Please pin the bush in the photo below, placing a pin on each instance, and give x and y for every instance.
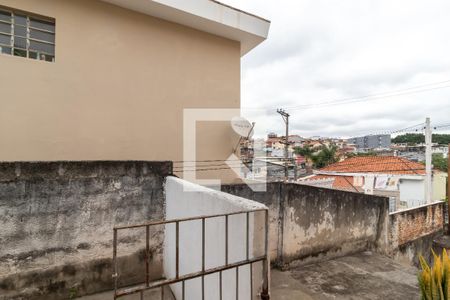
(434, 282)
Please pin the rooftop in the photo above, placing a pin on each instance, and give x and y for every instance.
(376, 164)
(344, 183)
(206, 15)
(363, 275)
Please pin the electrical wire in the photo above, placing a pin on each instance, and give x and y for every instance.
(369, 97)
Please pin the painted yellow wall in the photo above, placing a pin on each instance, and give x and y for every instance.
(439, 185)
(117, 88)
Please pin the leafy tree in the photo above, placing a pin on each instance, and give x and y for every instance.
(319, 158)
(418, 138)
(409, 138)
(325, 157)
(307, 152)
(441, 139)
(439, 162)
(368, 153)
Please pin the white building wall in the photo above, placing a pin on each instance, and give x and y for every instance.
(184, 200)
(412, 191)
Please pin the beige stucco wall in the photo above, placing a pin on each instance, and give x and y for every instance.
(439, 186)
(117, 88)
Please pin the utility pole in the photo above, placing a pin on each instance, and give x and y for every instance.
(285, 117)
(428, 168)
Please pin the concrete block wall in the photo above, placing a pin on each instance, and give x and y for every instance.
(411, 224)
(325, 223)
(56, 221)
(412, 231)
(310, 223)
(271, 199)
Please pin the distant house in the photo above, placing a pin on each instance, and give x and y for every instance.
(395, 177)
(276, 144)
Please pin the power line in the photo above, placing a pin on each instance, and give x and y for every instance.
(387, 172)
(370, 97)
(213, 165)
(202, 170)
(207, 160)
(343, 167)
(364, 98)
(442, 125)
(406, 129)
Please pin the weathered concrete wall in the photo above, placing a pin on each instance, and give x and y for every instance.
(186, 200)
(56, 221)
(411, 232)
(409, 252)
(271, 199)
(310, 223)
(323, 223)
(411, 224)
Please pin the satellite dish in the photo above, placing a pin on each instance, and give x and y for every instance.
(242, 126)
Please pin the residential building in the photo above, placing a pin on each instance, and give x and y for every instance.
(439, 185)
(379, 141)
(275, 144)
(437, 149)
(109, 80)
(395, 177)
(417, 152)
(273, 169)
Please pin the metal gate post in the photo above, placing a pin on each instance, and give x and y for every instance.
(265, 295)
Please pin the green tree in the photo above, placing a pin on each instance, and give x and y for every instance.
(325, 157)
(439, 162)
(319, 158)
(418, 138)
(368, 153)
(307, 152)
(409, 138)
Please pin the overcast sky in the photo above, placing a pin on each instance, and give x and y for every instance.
(321, 51)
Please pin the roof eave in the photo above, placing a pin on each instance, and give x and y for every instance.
(205, 15)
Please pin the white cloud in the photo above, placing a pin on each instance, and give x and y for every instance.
(320, 50)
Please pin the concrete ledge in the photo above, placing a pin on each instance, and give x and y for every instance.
(73, 280)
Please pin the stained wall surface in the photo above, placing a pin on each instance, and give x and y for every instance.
(57, 222)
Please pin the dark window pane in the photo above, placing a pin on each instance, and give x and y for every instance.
(20, 31)
(41, 56)
(20, 20)
(43, 36)
(5, 16)
(50, 58)
(5, 50)
(20, 52)
(42, 47)
(5, 39)
(33, 55)
(5, 27)
(20, 42)
(45, 25)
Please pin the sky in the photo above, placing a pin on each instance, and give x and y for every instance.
(324, 51)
